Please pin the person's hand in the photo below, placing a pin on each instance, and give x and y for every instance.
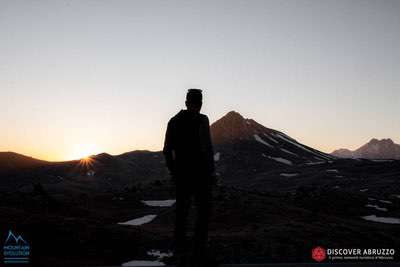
(173, 178)
(172, 175)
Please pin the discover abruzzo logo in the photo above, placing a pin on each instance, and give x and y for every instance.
(332, 254)
(16, 249)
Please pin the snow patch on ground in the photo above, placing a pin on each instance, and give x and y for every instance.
(258, 138)
(159, 254)
(287, 139)
(376, 207)
(386, 201)
(217, 156)
(282, 160)
(364, 190)
(155, 253)
(140, 221)
(143, 263)
(315, 163)
(325, 156)
(289, 152)
(159, 203)
(390, 220)
(332, 170)
(271, 138)
(289, 174)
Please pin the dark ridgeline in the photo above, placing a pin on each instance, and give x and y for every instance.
(10, 161)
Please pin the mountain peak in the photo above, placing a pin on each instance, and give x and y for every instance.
(233, 126)
(233, 114)
(374, 149)
(232, 119)
(382, 141)
(235, 133)
(389, 141)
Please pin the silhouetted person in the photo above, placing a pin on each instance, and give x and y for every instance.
(189, 156)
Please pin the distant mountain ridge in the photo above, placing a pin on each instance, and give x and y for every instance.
(374, 149)
(245, 153)
(12, 160)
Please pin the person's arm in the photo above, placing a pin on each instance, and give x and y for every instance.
(169, 148)
(209, 148)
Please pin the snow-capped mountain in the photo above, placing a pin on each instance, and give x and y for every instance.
(374, 149)
(236, 134)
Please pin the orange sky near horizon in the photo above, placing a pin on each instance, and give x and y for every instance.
(79, 146)
(86, 77)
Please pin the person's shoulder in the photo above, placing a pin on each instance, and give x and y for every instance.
(204, 117)
(175, 117)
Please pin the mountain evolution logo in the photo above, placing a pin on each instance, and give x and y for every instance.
(15, 249)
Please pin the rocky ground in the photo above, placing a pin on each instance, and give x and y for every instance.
(276, 218)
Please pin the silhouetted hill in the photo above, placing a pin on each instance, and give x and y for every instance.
(12, 161)
(374, 149)
(102, 172)
(232, 132)
(343, 153)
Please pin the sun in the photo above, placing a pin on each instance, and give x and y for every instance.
(83, 151)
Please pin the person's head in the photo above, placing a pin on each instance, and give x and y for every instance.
(194, 100)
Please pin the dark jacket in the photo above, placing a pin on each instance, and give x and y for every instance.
(188, 148)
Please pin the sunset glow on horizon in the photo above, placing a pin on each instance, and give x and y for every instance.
(79, 78)
(84, 150)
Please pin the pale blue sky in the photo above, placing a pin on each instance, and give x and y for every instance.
(82, 77)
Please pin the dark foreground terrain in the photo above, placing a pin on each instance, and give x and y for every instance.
(75, 222)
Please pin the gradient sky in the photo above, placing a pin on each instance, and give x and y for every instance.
(82, 77)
